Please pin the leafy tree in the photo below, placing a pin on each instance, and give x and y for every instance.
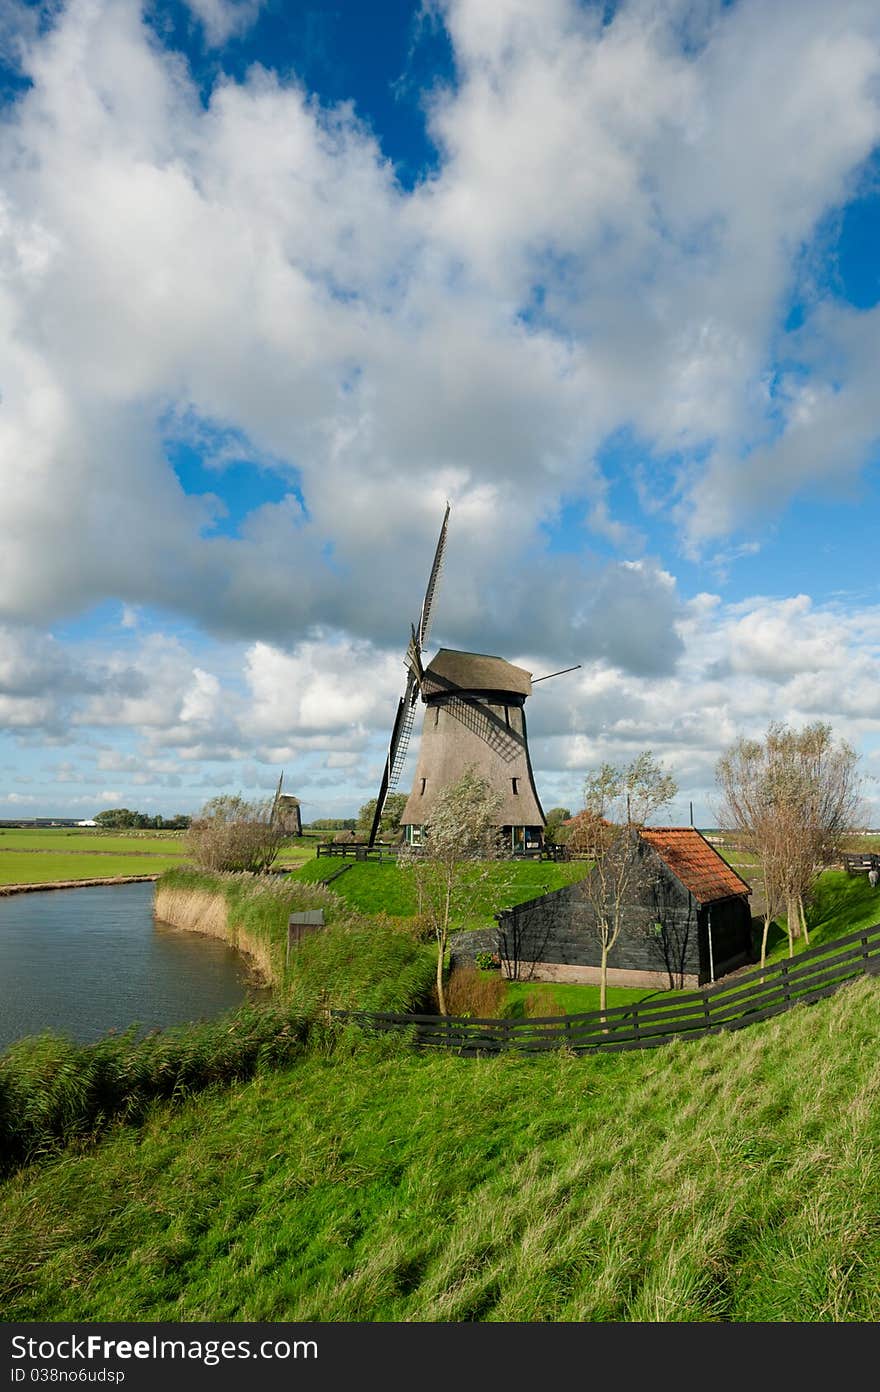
(232, 834)
(619, 800)
(555, 817)
(389, 822)
(459, 840)
(116, 817)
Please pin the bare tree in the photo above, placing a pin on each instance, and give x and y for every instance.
(669, 933)
(521, 942)
(452, 863)
(619, 801)
(792, 797)
(232, 834)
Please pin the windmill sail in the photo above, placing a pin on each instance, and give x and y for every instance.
(428, 602)
(406, 706)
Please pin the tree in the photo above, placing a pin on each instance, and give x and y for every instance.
(389, 824)
(618, 800)
(459, 841)
(792, 797)
(555, 817)
(669, 932)
(232, 834)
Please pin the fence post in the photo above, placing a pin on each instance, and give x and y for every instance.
(786, 992)
(635, 1025)
(707, 1011)
(864, 941)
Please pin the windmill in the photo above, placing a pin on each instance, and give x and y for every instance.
(474, 718)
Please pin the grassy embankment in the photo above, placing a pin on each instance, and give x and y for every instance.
(732, 1179)
(53, 1092)
(373, 888)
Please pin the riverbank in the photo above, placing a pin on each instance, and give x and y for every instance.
(207, 913)
(32, 887)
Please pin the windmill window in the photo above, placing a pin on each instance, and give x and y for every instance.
(436, 714)
(515, 782)
(507, 716)
(422, 793)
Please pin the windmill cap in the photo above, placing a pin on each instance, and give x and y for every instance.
(452, 671)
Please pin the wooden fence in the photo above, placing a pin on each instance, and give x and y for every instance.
(744, 1000)
(356, 850)
(860, 862)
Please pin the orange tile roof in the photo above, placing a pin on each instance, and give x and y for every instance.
(695, 863)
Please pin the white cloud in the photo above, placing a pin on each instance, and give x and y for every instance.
(223, 19)
(608, 240)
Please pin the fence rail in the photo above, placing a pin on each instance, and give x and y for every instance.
(756, 995)
(859, 862)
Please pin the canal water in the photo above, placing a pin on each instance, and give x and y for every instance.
(80, 962)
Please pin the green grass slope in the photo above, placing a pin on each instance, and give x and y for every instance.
(734, 1179)
(371, 887)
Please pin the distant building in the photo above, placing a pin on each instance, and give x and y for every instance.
(90, 821)
(288, 815)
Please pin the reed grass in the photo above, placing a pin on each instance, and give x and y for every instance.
(54, 1092)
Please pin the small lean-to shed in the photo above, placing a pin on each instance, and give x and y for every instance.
(686, 921)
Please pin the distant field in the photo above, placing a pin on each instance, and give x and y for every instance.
(85, 842)
(28, 868)
(61, 853)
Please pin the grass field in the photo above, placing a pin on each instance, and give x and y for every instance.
(17, 867)
(58, 841)
(371, 887)
(54, 853)
(734, 1179)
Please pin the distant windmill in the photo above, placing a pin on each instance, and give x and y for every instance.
(285, 811)
(475, 717)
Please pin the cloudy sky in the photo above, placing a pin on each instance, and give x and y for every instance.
(277, 280)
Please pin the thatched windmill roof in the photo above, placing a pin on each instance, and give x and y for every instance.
(454, 672)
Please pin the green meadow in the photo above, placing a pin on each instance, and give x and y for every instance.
(371, 887)
(280, 1165)
(24, 868)
(83, 853)
(730, 1180)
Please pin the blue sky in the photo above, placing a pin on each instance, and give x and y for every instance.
(279, 280)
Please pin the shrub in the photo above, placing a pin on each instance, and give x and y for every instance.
(469, 992)
(232, 834)
(53, 1092)
(487, 961)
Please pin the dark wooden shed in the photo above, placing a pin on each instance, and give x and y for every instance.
(686, 921)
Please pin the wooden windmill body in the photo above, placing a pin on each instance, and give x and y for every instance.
(474, 718)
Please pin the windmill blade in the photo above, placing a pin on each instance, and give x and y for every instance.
(272, 814)
(397, 747)
(414, 659)
(406, 706)
(424, 626)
